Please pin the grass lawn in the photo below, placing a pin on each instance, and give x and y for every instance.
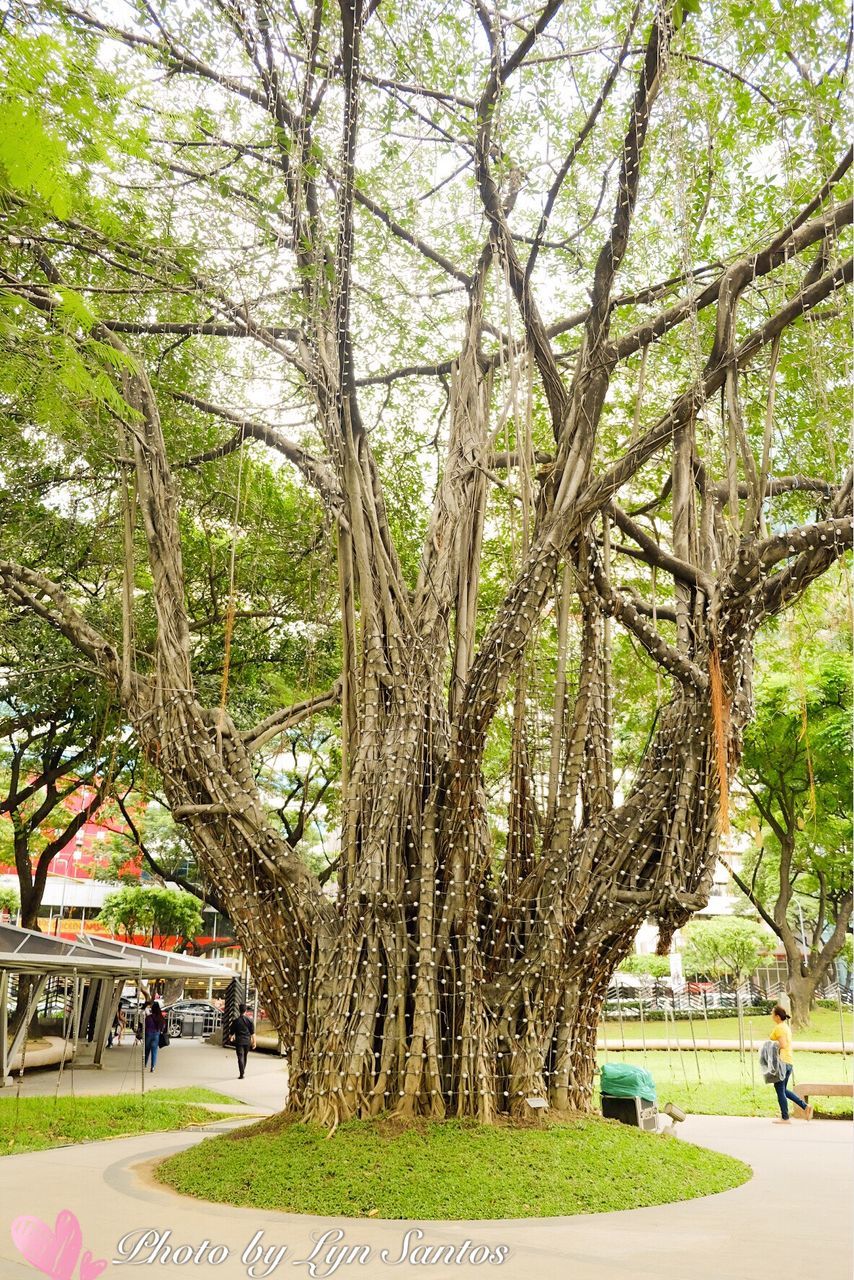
(824, 1025)
(193, 1093)
(720, 1084)
(32, 1124)
(451, 1170)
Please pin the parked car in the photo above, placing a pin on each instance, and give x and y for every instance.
(192, 1006)
(192, 1017)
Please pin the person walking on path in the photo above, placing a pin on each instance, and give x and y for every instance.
(243, 1038)
(118, 1028)
(155, 1025)
(781, 1032)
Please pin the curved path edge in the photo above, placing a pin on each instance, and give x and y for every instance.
(800, 1194)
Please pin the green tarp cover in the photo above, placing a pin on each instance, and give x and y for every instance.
(622, 1081)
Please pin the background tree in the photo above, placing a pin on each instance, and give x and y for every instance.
(550, 336)
(300, 786)
(651, 966)
(120, 865)
(846, 958)
(158, 914)
(62, 756)
(157, 846)
(724, 948)
(797, 771)
(10, 901)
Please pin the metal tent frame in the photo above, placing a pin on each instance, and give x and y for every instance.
(107, 964)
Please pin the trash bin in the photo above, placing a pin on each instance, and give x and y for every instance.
(628, 1095)
(192, 1024)
(639, 1112)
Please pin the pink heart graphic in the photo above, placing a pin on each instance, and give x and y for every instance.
(90, 1267)
(52, 1252)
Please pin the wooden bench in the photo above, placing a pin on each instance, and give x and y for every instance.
(812, 1090)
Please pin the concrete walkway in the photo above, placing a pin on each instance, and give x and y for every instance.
(183, 1064)
(795, 1210)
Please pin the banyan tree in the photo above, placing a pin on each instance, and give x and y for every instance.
(558, 291)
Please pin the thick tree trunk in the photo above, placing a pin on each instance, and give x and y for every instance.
(801, 990)
(805, 976)
(30, 905)
(436, 988)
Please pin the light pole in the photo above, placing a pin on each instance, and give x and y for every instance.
(209, 910)
(75, 858)
(62, 899)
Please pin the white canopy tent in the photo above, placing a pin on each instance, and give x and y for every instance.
(100, 965)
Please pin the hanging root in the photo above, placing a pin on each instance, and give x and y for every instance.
(721, 726)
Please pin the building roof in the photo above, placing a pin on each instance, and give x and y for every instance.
(68, 893)
(27, 951)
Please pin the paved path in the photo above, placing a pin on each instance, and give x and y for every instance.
(184, 1063)
(796, 1209)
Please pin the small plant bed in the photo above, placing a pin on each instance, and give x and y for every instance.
(721, 1083)
(452, 1170)
(33, 1124)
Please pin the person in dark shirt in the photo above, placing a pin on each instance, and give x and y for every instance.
(155, 1025)
(242, 1037)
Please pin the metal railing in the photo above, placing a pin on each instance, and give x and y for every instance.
(189, 1024)
(663, 996)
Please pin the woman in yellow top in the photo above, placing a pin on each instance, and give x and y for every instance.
(782, 1033)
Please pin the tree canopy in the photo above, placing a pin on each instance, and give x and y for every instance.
(726, 947)
(156, 913)
(797, 767)
(64, 754)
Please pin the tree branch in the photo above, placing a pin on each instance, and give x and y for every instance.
(187, 328)
(782, 588)
(781, 484)
(804, 538)
(656, 646)
(603, 488)
(656, 555)
(287, 717)
(535, 329)
(76, 824)
(408, 237)
(171, 56)
(207, 896)
(592, 116)
(767, 813)
(754, 901)
(30, 590)
(315, 471)
(802, 236)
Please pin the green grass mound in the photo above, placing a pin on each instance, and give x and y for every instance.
(33, 1124)
(448, 1171)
